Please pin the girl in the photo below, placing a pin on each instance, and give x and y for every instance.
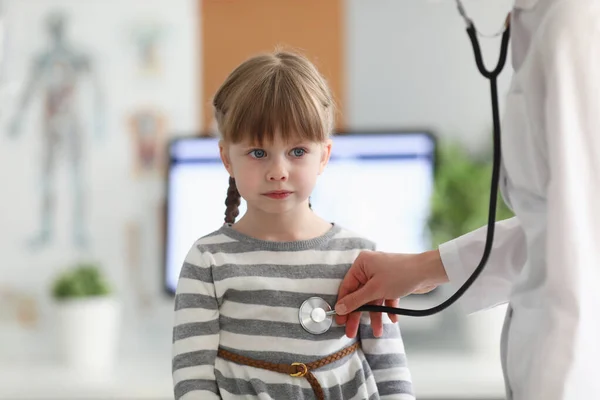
(236, 330)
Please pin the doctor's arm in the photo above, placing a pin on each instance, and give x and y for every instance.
(378, 276)
(566, 298)
(196, 331)
(572, 112)
(572, 122)
(461, 256)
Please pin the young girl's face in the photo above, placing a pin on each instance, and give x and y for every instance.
(275, 177)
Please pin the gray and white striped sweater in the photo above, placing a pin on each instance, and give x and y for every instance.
(242, 294)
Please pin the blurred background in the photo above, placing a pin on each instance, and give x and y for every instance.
(93, 91)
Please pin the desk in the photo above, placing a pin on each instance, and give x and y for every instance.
(435, 377)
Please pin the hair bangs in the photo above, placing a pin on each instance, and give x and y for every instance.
(278, 106)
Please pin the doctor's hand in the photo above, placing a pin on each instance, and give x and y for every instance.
(377, 277)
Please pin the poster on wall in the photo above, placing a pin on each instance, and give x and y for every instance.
(149, 38)
(148, 130)
(55, 78)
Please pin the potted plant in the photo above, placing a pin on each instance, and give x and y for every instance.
(461, 195)
(87, 317)
(459, 205)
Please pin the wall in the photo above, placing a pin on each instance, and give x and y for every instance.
(284, 24)
(410, 64)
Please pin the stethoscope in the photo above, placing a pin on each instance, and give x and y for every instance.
(316, 315)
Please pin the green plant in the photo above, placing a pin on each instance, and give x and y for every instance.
(460, 200)
(84, 280)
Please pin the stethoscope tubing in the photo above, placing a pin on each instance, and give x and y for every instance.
(492, 77)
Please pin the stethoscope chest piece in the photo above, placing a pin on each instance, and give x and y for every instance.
(313, 317)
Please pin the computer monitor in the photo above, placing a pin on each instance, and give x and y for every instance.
(377, 184)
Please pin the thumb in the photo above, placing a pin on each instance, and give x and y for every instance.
(356, 299)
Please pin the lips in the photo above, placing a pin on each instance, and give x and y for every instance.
(278, 194)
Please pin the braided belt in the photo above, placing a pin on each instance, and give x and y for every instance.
(298, 370)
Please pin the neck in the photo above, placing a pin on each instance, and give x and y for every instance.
(297, 224)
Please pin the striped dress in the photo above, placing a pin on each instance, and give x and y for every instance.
(243, 294)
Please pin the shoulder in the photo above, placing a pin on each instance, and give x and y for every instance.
(572, 15)
(569, 29)
(214, 238)
(352, 240)
(203, 249)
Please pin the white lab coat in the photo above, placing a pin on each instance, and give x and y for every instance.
(544, 262)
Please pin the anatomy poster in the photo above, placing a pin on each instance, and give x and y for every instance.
(56, 77)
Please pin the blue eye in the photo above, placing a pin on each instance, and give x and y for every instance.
(258, 153)
(298, 152)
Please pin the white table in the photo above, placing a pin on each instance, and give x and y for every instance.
(435, 377)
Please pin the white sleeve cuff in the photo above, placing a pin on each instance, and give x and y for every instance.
(458, 273)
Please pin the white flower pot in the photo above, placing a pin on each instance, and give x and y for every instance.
(88, 330)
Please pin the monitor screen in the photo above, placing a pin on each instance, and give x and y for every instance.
(376, 184)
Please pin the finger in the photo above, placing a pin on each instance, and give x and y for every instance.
(354, 278)
(424, 289)
(341, 319)
(349, 285)
(356, 299)
(377, 323)
(393, 303)
(352, 324)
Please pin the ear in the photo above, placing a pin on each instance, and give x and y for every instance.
(325, 155)
(224, 153)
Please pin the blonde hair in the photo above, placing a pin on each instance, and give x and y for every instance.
(280, 93)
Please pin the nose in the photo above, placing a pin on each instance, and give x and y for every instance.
(277, 171)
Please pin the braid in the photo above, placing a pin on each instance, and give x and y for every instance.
(232, 202)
